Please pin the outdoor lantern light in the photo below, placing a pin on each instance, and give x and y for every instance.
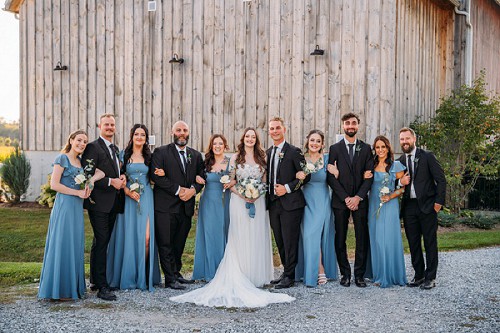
(59, 67)
(176, 60)
(317, 51)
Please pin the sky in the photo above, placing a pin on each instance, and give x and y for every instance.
(9, 65)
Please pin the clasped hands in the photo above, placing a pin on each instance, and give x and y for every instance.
(119, 183)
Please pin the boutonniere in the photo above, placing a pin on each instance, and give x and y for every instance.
(280, 156)
(358, 148)
(188, 158)
(416, 160)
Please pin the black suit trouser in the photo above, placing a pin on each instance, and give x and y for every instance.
(102, 225)
(286, 230)
(418, 224)
(171, 230)
(360, 220)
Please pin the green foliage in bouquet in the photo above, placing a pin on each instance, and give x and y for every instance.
(465, 136)
(15, 173)
(47, 195)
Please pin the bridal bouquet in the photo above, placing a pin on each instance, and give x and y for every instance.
(251, 188)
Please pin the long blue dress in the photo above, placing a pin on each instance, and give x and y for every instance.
(212, 228)
(63, 272)
(317, 231)
(386, 245)
(127, 267)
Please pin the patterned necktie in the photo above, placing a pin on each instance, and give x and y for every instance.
(351, 151)
(184, 162)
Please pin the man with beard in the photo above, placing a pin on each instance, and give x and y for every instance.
(174, 200)
(352, 157)
(424, 196)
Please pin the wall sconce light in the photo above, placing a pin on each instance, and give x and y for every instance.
(176, 60)
(317, 51)
(60, 68)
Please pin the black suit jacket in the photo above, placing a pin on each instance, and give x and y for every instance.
(288, 166)
(104, 197)
(351, 180)
(429, 180)
(167, 158)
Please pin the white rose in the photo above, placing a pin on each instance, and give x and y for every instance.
(384, 190)
(80, 179)
(134, 187)
(225, 179)
(310, 167)
(248, 193)
(255, 194)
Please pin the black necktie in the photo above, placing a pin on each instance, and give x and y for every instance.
(410, 171)
(114, 153)
(271, 181)
(351, 151)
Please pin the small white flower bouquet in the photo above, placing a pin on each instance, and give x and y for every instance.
(83, 178)
(384, 190)
(225, 179)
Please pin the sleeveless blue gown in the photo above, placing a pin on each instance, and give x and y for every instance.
(63, 272)
(211, 229)
(127, 267)
(386, 245)
(317, 231)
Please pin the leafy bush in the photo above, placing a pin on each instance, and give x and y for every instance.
(468, 218)
(465, 136)
(15, 173)
(47, 195)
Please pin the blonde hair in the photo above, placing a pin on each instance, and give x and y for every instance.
(278, 119)
(72, 136)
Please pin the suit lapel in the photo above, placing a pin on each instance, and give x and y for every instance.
(103, 146)
(415, 162)
(283, 152)
(345, 153)
(357, 150)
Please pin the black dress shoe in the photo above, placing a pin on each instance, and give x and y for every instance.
(93, 287)
(345, 281)
(106, 294)
(428, 284)
(182, 280)
(360, 282)
(285, 282)
(415, 282)
(174, 285)
(276, 281)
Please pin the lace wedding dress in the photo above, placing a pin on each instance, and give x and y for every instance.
(247, 262)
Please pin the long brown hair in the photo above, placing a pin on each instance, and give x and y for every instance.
(258, 153)
(209, 154)
(146, 151)
(72, 136)
(390, 154)
(314, 131)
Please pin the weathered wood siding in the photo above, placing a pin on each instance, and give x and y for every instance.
(387, 60)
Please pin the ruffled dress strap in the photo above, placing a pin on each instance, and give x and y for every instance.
(395, 168)
(325, 161)
(62, 160)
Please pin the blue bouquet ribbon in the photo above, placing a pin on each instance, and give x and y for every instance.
(251, 209)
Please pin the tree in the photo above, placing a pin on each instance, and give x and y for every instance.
(464, 135)
(15, 173)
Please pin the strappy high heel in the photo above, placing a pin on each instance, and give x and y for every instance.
(322, 279)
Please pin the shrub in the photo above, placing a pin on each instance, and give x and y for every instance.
(15, 173)
(47, 195)
(465, 136)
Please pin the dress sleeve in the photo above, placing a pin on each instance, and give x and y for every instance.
(61, 160)
(325, 162)
(397, 167)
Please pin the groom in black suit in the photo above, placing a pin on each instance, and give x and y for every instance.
(285, 200)
(424, 197)
(105, 202)
(174, 199)
(350, 198)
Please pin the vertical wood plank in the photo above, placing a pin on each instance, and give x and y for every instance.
(309, 66)
(88, 114)
(373, 70)
(49, 44)
(64, 88)
(387, 63)
(322, 68)
(25, 27)
(111, 61)
(198, 74)
(208, 67)
(100, 52)
(239, 65)
(347, 58)
(286, 60)
(168, 114)
(75, 70)
(39, 73)
(83, 71)
(218, 71)
(128, 73)
(138, 59)
(334, 72)
(274, 62)
(157, 71)
(262, 68)
(121, 91)
(360, 28)
(187, 71)
(229, 73)
(147, 60)
(250, 64)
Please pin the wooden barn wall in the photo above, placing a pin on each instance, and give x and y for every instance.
(387, 60)
(486, 29)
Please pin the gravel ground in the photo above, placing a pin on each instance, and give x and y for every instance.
(466, 299)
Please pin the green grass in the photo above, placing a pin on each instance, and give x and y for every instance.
(23, 233)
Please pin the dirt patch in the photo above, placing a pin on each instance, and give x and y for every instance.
(23, 205)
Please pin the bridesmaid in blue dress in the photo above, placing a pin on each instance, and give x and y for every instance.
(213, 214)
(386, 245)
(132, 261)
(317, 260)
(63, 273)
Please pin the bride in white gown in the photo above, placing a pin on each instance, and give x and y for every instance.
(247, 262)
